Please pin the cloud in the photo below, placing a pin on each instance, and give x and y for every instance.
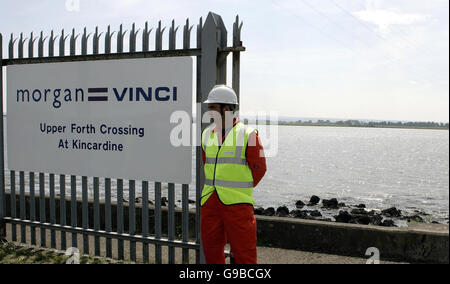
(384, 18)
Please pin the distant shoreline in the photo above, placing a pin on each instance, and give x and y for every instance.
(284, 123)
(362, 126)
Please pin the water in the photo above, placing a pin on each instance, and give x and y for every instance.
(405, 168)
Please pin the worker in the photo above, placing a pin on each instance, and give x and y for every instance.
(234, 164)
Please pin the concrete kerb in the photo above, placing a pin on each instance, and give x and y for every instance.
(418, 243)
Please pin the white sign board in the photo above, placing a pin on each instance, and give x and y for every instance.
(100, 118)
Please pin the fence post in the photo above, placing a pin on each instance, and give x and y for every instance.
(213, 71)
(2, 158)
(237, 28)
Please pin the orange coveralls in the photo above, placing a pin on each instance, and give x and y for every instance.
(236, 223)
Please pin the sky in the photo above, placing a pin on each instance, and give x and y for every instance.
(343, 59)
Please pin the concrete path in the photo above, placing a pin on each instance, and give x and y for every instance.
(265, 255)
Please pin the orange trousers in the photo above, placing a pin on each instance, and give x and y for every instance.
(235, 224)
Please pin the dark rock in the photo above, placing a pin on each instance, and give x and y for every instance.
(299, 214)
(258, 211)
(269, 211)
(343, 217)
(314, 200)
(140, 200)
(282, 211)
(376, 220)
(415, 218)
(341, 205)
(392, 212)
(315, 213)
(359, 211)
(300, 204)
(362, 219)
(189, 201)
(388, 223)
(361, 206)
(330, 204)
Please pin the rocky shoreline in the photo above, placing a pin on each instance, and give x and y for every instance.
(331, 210)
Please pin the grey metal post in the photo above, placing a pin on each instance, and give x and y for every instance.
(171, 191)
(95, 41)
(23, 232)
(73, 208)
(213, 71)
(145, 231)
(132, 217)
(51, 45)
(84, 179)
(120, 223)
(185, 187)
(73, 43)
(21, 43)
(237, 43)
(42, 211)
(108, 40)
(62, 44)
(31, 46)
(214, 37)
(159, 34)
(171, 225)
(173, 36)
(32, 207)
(31, 174)
(120, 36)
(133, 35)
(120, 213)
(146, 38)
(108, 216)
(11, 47)
(158, 229)
(13, 205)
(96, 215)
(84, 42)
(41, 45)
(62, 208)
(85, 213)
(158, 234)
(199, 257)
(2, 158)
(52, 210)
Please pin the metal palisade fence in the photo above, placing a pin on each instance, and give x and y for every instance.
(101, 225)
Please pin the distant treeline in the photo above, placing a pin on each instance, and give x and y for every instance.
(358, 123)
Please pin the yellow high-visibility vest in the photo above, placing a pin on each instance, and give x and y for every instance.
(226, 168)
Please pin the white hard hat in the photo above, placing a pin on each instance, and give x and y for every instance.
(222, 94)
